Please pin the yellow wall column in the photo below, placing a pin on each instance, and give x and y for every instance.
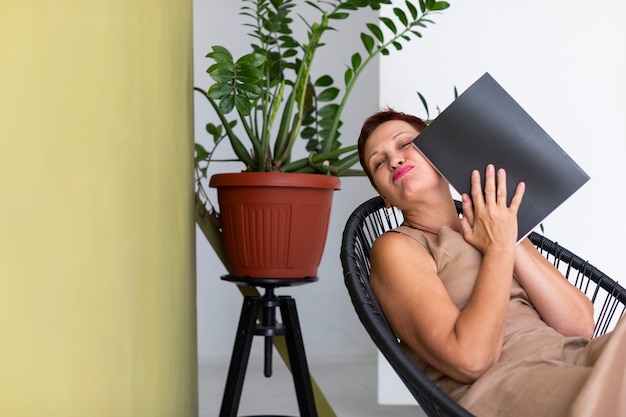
(97, 271)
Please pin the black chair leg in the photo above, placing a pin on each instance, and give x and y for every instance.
(241, 354)
(297, 357)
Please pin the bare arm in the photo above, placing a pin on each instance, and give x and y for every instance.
(461, 344)
(563, 306)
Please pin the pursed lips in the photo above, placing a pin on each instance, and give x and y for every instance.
(401, 171)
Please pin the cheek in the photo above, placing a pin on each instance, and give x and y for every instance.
(379, 181)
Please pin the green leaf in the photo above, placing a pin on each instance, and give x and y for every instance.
(338, 15)
(347, 76)
(219, 90)
(308, 119)
(221, 54)
(397, 45)
(328, 111)
(250, 75)
(310, 3)
(356, 60)
(324, 81)
(425, 104)
(376, 31)
(214, 130)
(390, 24)
(249, 71)
(308, 132)
(412, 9)
(401, 16)
(329, 94)
(288, 42)
(358, 3)
(222, 76)
(422, 5)
(323, 133)
(227, 104)
(253, 59)
(201, 153)
(244, 106)
(440, 5)
(326, 123)
(249, 91)
(312, 145)
(368, 42)
(346, 6)
(220, 67)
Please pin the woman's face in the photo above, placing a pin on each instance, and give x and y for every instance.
(398, 169)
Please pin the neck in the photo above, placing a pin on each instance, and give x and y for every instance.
(430, 219)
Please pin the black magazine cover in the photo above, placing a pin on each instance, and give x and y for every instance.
(486, 125)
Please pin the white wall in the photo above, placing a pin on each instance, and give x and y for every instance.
(329, 323)
(564, 62)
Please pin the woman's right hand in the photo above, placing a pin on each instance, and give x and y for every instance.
(488, 223)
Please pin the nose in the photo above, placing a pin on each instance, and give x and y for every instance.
(396, 162)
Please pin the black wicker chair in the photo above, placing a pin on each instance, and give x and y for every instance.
(371, 219)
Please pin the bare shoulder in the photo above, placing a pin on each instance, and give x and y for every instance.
(398, 243)
(396, 255)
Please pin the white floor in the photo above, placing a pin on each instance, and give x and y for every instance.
(349, 385)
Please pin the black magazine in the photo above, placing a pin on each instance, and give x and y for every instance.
(486, 125)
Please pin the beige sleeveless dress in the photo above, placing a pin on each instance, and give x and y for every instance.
(540, 373)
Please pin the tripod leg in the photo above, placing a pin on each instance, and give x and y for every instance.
(239, 359)
(297, 357)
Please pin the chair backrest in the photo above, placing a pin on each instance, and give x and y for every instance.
(608, 296)
(370, 220)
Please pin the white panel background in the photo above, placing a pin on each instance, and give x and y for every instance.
(564, 61)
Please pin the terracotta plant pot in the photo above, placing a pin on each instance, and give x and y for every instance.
(274, 224)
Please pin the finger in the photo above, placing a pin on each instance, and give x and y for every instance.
(467, 208)
(516, 201)
(490, 185)
(501, 194)
(466, 228)
(478, 197)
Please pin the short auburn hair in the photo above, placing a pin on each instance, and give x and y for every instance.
(375, 120)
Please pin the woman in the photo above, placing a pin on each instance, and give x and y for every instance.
(493, 323)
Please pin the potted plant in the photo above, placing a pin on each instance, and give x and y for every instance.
(276, 98)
